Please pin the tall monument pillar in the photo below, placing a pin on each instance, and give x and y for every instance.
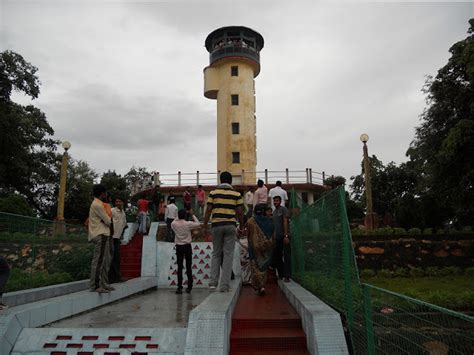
(234, 62)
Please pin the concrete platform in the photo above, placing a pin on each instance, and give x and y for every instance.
(160, 308)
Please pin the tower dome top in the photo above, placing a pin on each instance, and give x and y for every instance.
(228, 32)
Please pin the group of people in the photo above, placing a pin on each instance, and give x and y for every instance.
(106, 226)
(262, 234)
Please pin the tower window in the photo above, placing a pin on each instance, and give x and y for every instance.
(235, 157)
(235, 128)
(235, 100)
(234, 70)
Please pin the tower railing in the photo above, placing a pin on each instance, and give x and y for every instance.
(287, 176)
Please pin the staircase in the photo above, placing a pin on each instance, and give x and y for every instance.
(131, 257)
(266, 324)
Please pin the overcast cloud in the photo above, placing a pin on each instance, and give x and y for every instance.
(123, 81)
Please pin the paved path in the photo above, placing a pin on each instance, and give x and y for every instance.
(153, 309)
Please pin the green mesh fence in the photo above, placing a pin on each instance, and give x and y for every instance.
(40, 257)
(379, 321)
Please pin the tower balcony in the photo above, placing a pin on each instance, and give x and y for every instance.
(237, 49)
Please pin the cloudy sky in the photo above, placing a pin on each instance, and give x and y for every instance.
(123, 80)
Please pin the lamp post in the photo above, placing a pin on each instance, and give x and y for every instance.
(62, 190)
(370, 217)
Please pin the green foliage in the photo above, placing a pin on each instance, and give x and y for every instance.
(417, 272)
(467, 229)
(432, 271)
(27, 162)
(428, 231)
(116, 186)
(444, 142)
(399, 231)
(401, 272)
(367, 273)
(469, 271)
(16, 204)
(385, 273)
(76, 263)
(20, 280)
(414, 231)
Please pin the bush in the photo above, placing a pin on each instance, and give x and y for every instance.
(428, 231)
(467, 229)
(449, 270)
(469, 271)
(417, 272)
(414, 231)
(20, 280)
(367, 273)
(432, 271)
(76, 263)
(385, 273)
(384, 231)
(357, 231)
(399, 231)
(401, 272)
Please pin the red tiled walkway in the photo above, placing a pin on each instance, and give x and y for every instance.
(266, 324)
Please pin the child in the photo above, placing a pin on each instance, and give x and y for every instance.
(182, 239)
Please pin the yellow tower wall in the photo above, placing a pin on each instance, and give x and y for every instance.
(220, 85)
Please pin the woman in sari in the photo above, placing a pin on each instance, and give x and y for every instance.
(261, 240)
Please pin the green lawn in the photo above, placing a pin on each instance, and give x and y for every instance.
(454, 291)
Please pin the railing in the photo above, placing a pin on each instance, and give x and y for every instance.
(234, 49)
(379, 321)
(38, 257)
(287, 176)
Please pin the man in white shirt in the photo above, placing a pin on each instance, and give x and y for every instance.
(248, 200)
(278, 191)
(119, 221)
(182, 230)
(171, 214)
(99, 234)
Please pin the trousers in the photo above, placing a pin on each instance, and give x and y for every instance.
(185, 252)
(223, 242)
(101, 259)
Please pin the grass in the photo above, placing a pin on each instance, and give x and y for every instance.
(452, 291)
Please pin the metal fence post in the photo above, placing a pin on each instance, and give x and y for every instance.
(197, 178)
(310, 175)
(324, 177)
(307, 175)
(369, 327)
(266, 176)
(287, 172)
(179, 178)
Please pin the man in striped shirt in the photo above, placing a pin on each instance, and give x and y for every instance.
(223, 205)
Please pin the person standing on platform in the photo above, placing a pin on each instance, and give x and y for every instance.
(187, 199)
(278, 191)
(248, 199)
(261, 241)
(182, 238)
(143, 218)
(260, 196)
(99, 234)
(119, 221)
(161, 210)
(282, 252)
(201, 199)
(171, 214)
(223, 206)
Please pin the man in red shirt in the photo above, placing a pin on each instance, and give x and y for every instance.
(201, 199)
(187, 199)
(142, 205)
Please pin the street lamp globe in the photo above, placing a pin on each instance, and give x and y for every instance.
(364, 137)
(66, 145)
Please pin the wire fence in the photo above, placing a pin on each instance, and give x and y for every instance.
(378, 321)
(39, 256)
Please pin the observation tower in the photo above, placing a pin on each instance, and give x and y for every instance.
(234, 63)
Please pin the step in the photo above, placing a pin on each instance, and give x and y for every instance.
(265, 323)
(273, 338)
(266, 352)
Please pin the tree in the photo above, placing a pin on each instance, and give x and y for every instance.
(392, 187)
(16, 204)
(443, 147)
(78, 197)
(116, 185)
(28, 150)
(354, 209)
(138, 178)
